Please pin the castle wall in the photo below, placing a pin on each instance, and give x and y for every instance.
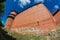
(57, 17)
(36, 17)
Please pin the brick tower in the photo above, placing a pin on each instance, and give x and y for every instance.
(10, 19)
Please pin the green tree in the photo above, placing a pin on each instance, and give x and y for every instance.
(1, 25)
(1, 11)
(2, 0)
(1, 7)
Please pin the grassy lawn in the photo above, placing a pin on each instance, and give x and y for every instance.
(27, 36)
(55, 35)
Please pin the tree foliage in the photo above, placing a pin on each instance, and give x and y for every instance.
(2, 0)
(1, 7)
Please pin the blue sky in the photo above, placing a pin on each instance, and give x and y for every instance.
(20, 5)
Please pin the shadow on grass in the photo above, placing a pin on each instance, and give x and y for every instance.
(5, 36)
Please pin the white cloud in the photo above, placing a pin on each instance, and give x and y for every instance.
(23, 2)
(56, 6)
(14, 0)
(37, 1)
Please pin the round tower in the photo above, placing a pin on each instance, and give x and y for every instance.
(10, 19)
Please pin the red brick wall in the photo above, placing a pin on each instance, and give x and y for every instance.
(57, 17)
(37, 16)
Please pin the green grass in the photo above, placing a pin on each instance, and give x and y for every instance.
(55, 35)
(25, 36)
